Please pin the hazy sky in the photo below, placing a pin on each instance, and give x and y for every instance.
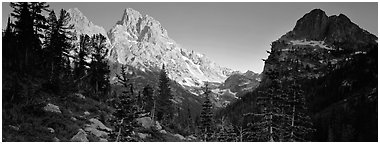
(235, 35)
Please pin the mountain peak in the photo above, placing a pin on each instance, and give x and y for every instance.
(316, 25)
(312, 25)
(129, 16)
(317, 12)
(142, 42)
(82, 25)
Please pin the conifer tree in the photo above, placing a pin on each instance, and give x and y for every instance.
(207, 116)
(165, 108)
(148, 98)
(26, 40)
(299, 122)
(226, 132)
(9, 50)
(80, 64)
(82, 52)
(124, 117)
(189, 121)
(268, 124)
(99, 69)
(58, 45)
(29, 25)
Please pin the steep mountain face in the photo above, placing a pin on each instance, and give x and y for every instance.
(141, 41)
(320, 42)
(334, 30)
(84, 26)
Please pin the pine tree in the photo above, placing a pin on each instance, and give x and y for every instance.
(126, 112)
(148, 98)
(58, 45)
(80, 64)
(189, 121)
(99, 69)
(207, 116)
(268, 124)
(9, 50)
(226, 132)
(26, 42)
(29, 25)
(165, 108)
(299, 122)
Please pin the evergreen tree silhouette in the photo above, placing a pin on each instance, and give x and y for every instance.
(123, 119)
(9, 50)
(148, 98)
(164, 104)
(80, 64)
(99, 69)
(29, 25)
(207, 116)
(58, 45)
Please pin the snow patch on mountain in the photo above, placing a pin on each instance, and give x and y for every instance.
(321, 44)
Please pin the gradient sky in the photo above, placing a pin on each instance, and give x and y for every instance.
(235, 35)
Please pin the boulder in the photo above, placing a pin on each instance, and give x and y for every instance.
(190, 138)
(55, 139)
(16, 128)
(73, 118)
(81, 136)
(52, 108)
(158, 126)
(51, 130)
(163, 131)
(142, 135)
(86, 113)
(103, 140)
(146, 122)
(97, 128)
(79, 95)
(179, 136)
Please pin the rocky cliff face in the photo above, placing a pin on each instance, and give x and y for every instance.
(334, 30)
(142, 42)
(84, 26)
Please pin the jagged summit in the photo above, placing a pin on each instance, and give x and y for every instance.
(129, 15)
(142, 42)
(316, 25)
(84, 26)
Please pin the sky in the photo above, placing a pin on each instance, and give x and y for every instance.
(234, 35)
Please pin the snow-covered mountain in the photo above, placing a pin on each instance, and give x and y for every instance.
(142, 42)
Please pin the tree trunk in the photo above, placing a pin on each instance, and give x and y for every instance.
(241, 133)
